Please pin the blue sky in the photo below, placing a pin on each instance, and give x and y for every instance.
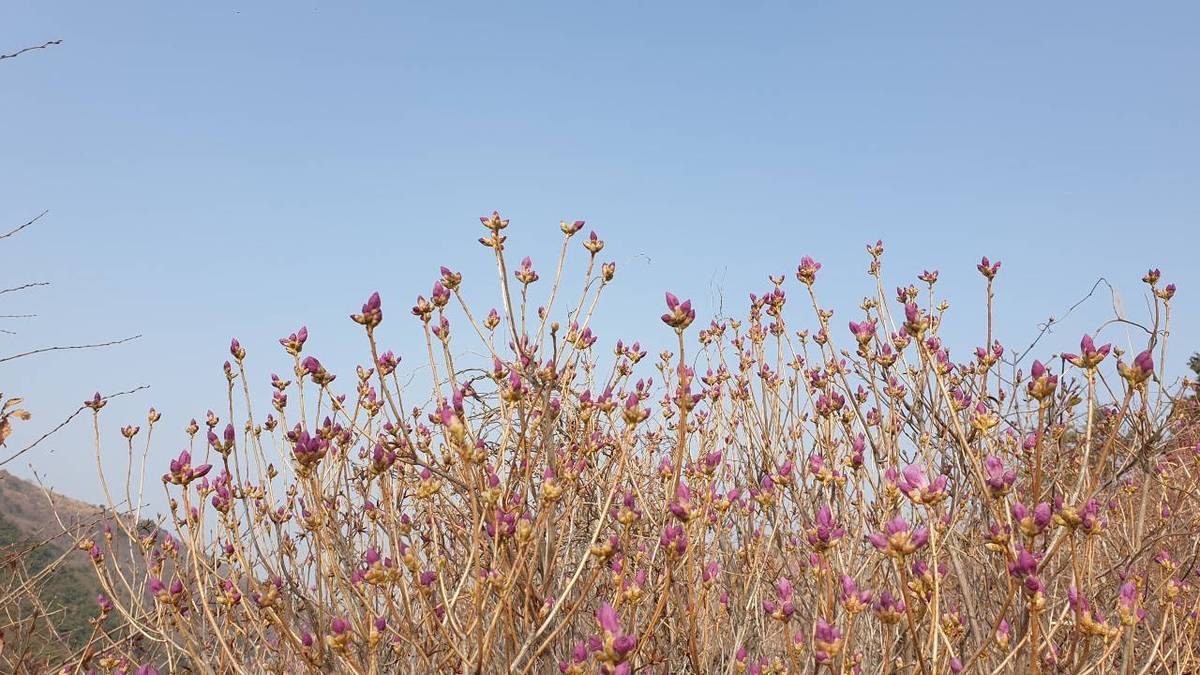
(217, 169)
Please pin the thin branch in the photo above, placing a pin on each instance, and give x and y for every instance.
(1124, 321)
(21, 288)
(1049, 323)
(17, 316)
(19, 52)
(56, 349)
(65, 422)
(35, 219)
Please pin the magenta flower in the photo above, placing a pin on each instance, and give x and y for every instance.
(1023, 565)
(182, 472)
(1127, 604)
(1041, 381)
(681, 507)
(918, 488)
(987, 268)
(1140, 371)
(294, 343)
(1089, 355)
(825, 534)
(807, 271)
(827, 641)
(1034, 523)
(308, 450)
(898, 539)
(679, 315)
(916, 322)
(890, 609)
(784, 592)
(616, 644)
(525, 273)
(998, 480)
(863, 332)
(854, 600)
(674, 540)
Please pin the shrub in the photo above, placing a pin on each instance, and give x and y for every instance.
(759, 498)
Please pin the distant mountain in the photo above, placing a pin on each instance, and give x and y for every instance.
(38, 534)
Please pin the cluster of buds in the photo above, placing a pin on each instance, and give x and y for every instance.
(1140, 371)
(806, 272)
(182, 472)
(898, 539)
(1089, 355)
(429, 485)
(294, 343)
(594, 244)
(782, 607)
(998, 480)
(525, 273)
(312, 367)
(679, 315)
(915, 485)
(827, 641)
(1087, 621)
(172, 594)
(96, 402)
(494, 223)
(854, 599)
(1042, 382)
(916, 322)
(613, 645)
(372, 313)
(1128, 606)
(825, 534)
(1032, 523)
(1024, 567)
(674, 540)
(863, 333)
(308, 450)
(225, 444)
(681, 507)
(339, 636)
(1089, 519)
(988, 268)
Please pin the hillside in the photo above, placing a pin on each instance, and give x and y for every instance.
(37, 551)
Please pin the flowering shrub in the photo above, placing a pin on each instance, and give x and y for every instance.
(760, 498)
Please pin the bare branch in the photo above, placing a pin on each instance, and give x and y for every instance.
(65, 422)
(1049, 323)
(19, 52)
(65, 348)
(21, 288)
(35, 219)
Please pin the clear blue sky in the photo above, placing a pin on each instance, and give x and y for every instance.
(216, 169)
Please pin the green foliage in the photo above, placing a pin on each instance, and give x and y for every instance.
(68, 591)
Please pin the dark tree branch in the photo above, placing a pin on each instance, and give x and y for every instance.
(36, 218)
(21, 288)
(65, 348)
(49, 43)
(1051, 321)
(64, 423)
